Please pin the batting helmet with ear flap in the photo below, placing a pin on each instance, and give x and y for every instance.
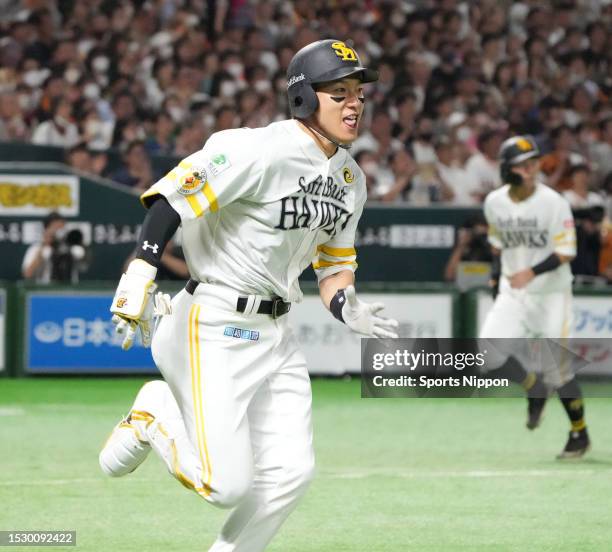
(319, 62)
(513, 151)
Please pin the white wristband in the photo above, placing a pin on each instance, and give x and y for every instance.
(142, 268)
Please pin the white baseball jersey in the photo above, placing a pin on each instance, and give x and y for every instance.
(528, 231)
(258, 205)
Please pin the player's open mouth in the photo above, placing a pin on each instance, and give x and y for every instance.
(351, 121)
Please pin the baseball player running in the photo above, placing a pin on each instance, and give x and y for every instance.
(531, 230)
(232, 420)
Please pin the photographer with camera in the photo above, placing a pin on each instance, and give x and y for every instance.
(470, 262)
(585, 266)
(59, 257)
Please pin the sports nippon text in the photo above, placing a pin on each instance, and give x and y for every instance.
(462, 367)
(422, 367)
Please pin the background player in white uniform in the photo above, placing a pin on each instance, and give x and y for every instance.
(233, 421)
(531, 230)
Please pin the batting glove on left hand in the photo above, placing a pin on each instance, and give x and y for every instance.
(132, 307)
(363, 317)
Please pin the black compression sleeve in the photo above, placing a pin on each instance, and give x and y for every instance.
(158, 227)
(550, 263)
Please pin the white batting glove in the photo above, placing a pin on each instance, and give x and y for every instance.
(362, 317)
(132, 306)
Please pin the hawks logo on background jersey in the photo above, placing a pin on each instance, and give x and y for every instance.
(344, 52)
(516, 232)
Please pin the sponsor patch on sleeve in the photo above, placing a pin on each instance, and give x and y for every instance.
(218, 163)
(191, 181)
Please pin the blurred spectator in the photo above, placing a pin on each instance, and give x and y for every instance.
(588, 241)
(97, 133)
(124, 110)
(606, 190)
(492, 53)
(378, 138)
(601, 150)
(79, 158)
(377, 182)
(403, 169)
(161, 142)
(136, 171)
(59, 130)
(425, 184)
(190, 139)
(580, 105)
(578, 195)
(458, 68)
(605, 254)
(556, 164)
(53, 89)
(12, 123)
(99, 164)
(483, 166)
(422, 143)
(523, 115)
(225, 118)
(455, 181)
(597, 54)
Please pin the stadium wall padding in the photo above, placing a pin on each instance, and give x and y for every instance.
(60, 329)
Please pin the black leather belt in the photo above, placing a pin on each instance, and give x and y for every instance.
(275, 307)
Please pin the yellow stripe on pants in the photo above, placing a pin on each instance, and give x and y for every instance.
(196, 382)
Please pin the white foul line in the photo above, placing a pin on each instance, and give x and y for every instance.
(363, 474)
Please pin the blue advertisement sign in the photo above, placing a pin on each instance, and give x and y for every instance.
(73, 333)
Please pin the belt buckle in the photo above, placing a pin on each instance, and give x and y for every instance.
(278, 308)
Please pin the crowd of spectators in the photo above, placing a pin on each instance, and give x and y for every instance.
(157, 77)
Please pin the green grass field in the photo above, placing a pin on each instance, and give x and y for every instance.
(393, 475)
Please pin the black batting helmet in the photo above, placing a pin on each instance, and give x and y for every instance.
(513, 151)
(321, 61)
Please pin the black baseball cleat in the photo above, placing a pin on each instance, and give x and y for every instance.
(576, 446)
(536, 399)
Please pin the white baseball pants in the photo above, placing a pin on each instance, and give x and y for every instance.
(523, 317)
(243, 393)
(518, 314)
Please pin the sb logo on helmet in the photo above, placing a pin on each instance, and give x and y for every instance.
(121, 302)
(344, 52)
(523, 144)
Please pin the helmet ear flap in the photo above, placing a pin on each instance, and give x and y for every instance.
(303, 101)
(508, 176)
